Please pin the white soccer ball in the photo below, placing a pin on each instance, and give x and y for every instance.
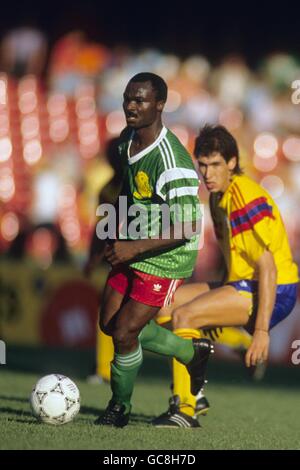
(55, 399)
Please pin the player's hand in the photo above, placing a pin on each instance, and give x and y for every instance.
(259, 348)
(120, 252)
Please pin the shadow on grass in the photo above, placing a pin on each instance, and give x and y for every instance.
(134, 418)
(25, 421)
(88, 410)
(84, 411)
(141, 419)
(12, 398)
(9, 410)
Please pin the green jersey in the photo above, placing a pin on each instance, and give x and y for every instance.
(162, 174)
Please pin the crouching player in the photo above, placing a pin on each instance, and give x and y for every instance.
(260, 290)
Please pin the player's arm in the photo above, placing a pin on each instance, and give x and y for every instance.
(122, 251)
(267, 281)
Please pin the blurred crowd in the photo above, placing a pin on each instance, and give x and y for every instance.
(59, 108)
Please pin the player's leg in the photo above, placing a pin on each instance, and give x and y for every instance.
(111, 303)
(183, 401)
(223, 306)
(112, 299)
(183, 294)
(218, 307)
(181, 378)
(127, 325)
(105, 348)
(128, 355)
(105, 354)
(186, 402)
(182, 404)
(159, 340)
(104, 343)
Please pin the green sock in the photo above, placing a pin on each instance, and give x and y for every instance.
(124, 370)
(157, 339)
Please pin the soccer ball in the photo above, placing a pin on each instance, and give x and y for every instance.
(55, 399)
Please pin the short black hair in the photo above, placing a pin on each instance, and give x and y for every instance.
(213, 139)
(158, 84)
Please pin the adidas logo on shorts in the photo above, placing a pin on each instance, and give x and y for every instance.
(157, 287)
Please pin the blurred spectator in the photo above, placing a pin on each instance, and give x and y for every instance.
(74, 59)
(231, 81)
(23, 52)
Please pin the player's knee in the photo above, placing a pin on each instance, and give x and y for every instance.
(125, 335)
(105, 327)
(122, 339)
(165, 312)
(181, 317)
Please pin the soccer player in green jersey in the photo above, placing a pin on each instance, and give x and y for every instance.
(147, 268)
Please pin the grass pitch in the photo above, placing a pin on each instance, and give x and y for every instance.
(243, 415)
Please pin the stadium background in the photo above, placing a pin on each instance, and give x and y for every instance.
(61, 101)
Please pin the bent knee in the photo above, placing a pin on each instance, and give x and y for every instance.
(164, 315)
(124, 338)
(181, 317)
(106, 329)
(125, 332)
(184, 317)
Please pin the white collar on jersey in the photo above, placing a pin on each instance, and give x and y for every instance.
(148, 149)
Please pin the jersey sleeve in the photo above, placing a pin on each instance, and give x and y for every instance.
(178, 188)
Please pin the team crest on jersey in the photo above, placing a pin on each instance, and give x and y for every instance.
(144, 190)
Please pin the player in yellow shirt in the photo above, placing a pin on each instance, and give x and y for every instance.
(260, 290)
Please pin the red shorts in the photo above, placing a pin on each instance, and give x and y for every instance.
(142, 287)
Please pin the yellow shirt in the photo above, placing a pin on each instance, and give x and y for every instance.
(246, 222)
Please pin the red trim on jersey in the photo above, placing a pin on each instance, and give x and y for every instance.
(245, 218)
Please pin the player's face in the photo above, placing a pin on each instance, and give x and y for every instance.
(216, 171)
(140, 105)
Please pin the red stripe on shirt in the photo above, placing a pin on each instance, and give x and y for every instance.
(251, 205)
(249, 224)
